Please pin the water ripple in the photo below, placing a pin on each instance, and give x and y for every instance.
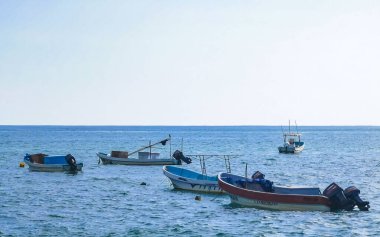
(109, 200)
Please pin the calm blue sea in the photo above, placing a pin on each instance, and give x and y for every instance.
(109, 200)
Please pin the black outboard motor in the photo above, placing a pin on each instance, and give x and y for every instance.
(337, 198)
(258, 175)
(266, 185)
(72, 162)
(178, 155)
(352, 193)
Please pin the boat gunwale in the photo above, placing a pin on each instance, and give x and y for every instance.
(134, 161)
(51, 167)
(196, 181)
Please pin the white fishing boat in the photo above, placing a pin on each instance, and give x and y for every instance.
(143, 157)
(292, 142)
(45, 163)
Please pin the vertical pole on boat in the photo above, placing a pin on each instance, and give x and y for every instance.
(200, 162)
(203, 165)
(299, 137)
(227, 163)
(170, 146)
(246, 174)
(150, 150)
(289, 126)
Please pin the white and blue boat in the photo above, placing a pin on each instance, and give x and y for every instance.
(56, 163)
(190, 180)
(292, 142)
(193, 181)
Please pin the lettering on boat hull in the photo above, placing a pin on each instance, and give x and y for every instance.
(262, 204)
(253, 202)
(209, 188)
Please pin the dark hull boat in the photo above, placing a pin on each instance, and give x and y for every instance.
(262, 194)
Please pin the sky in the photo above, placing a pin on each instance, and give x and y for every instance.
(189, 62)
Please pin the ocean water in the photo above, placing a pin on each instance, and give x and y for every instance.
(108, 200)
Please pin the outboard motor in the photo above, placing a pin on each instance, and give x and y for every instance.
(337, 198)
(352, 193)
(267, 185)
(258, 175)
(72, 162)
(178, 155)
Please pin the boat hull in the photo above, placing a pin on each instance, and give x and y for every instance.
(292, 150)
(52, 167)
(276, 206)
(106, 159)
(190, 184)
(269, 200)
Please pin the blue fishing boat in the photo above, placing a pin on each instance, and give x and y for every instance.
(193, 181)
(190, 180)
(46, 163)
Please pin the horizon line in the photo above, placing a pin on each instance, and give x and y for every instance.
(136, 125)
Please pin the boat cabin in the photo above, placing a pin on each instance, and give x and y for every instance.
(292, 139)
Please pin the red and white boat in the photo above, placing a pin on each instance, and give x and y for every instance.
(262, 194)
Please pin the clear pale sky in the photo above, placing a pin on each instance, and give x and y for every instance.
(189, 62)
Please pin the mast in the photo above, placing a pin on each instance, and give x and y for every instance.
(203, 164)
(299, 137)
(163, 142)
(246, 174)
(170, 146)
(150, 150)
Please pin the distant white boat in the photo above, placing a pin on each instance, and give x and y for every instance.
(292, 142)
(291, 145)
